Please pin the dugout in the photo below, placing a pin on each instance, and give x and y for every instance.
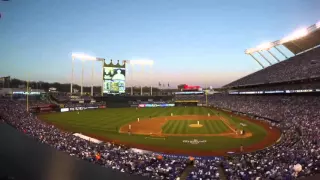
(186, 103)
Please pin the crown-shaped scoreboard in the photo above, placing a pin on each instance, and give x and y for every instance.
(117, 65)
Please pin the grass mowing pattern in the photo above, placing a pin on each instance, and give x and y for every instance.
(106, 122)
(182, 127)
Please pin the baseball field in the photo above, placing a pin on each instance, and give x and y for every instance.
(177, 130)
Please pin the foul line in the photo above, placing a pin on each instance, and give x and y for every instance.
(213, 112)
(227, 123)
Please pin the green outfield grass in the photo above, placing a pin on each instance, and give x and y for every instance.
(106, 123)
(182, 127)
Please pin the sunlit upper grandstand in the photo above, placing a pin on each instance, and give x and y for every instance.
(304, 64)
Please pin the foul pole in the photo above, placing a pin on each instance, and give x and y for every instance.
(141, 86)
(92, 78)
(151, 76)
(141, 63)
(82, 78)
(102, 68)
(28, 95)
(131, 77)
(72, 75)
(207, 98)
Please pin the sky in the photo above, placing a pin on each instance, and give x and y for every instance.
(197, 42)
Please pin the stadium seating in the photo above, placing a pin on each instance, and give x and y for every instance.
(188, 97)
(205, 169)
(284, 86)
(303, 66)
(300, 122)
(60, 97)
(113, 156)
(298, 117)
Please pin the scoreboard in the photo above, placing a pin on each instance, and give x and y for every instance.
(114, 78)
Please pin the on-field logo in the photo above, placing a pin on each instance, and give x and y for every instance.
(194, 141)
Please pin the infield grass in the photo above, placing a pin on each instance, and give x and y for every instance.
(183, 127)
(106, 123)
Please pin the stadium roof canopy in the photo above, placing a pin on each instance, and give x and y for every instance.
(300, 45)
(297, 42)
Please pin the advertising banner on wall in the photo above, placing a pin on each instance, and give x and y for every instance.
(64, 109)
(76, 109)
(275, 91)
(156, 105)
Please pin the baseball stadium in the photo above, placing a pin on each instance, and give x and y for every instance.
(189, 130)
(188, 127)
(264, 125)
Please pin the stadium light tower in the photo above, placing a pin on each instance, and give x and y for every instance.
(262, 47)
(82, 57)
(292, 38)
(102, 60)
(143, 63)
(295, 35)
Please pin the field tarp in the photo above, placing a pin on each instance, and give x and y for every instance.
(90, 139)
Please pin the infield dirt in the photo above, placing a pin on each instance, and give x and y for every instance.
(273, 134)
(153, 126)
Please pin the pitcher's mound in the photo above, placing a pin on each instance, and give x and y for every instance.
(195, 125)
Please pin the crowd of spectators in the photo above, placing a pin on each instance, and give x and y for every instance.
(284, 86)
(303, 66)
(66, 97)
(74, 105)
(106, 154)
(205, 169)
(299, 118)
(60, 97)
(188, 97)
(75, 101)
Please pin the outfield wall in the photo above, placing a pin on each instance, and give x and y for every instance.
(182, 103)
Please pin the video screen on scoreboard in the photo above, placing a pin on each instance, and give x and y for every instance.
(114, 79)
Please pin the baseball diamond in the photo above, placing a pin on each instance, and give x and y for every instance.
(143, 90)
(170, 130)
